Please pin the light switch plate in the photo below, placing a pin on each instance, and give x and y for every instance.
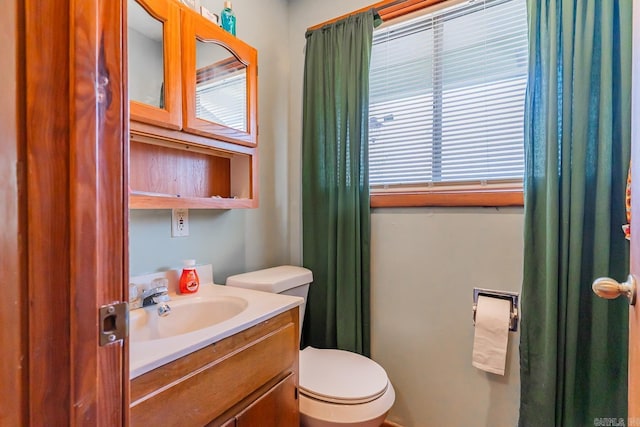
(179, 222)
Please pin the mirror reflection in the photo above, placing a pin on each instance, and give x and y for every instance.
(146, 56)
(221, 86)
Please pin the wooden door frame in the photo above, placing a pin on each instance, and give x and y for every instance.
(98, 207)
(63, 194)
(13, 349)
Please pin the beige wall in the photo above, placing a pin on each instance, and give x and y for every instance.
(425, 263)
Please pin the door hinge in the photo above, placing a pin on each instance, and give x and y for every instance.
(113, 322)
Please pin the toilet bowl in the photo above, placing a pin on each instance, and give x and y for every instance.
(340, 388)
(336, 387)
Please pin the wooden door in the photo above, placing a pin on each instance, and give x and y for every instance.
(634, 311)
(64, 201)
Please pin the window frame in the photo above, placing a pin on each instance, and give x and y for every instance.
(490, 195)
(512, 195)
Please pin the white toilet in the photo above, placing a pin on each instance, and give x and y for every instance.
(337, 388)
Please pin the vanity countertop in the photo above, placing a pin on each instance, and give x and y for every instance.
(148, 354)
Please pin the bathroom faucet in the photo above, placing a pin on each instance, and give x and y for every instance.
(155, 296)
(158, 295)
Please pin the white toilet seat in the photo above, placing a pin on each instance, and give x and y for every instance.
(346, 414)
(341, 377)
(341, 387)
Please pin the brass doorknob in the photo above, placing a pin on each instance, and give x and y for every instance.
(606, 287)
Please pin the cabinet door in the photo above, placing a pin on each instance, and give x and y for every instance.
(153, 46)
(219, 80)
(276, 408)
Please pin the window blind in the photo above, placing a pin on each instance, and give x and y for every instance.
(447, 96)
(224, 101)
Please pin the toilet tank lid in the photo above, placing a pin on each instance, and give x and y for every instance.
(275, 280)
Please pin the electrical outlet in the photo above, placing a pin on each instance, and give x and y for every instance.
(179, 222)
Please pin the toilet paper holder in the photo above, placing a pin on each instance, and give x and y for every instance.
(511, 296)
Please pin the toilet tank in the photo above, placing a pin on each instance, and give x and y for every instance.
(285, 279)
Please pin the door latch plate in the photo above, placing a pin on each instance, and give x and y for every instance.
(113, 322)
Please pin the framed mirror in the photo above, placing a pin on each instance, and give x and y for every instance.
(153, 42)
(219, 74)
(145, 56)
(221, 86)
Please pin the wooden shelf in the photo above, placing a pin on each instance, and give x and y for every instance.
(165, 173)
(138, 201)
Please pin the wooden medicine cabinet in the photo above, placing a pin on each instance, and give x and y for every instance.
(193, 110)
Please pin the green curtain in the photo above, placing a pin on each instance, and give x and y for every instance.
(573, 345)
(335, 183)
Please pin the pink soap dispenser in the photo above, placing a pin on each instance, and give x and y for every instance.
(189, 281)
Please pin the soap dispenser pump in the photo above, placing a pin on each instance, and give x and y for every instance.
(228, 18)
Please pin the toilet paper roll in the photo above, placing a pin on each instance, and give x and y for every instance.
(491, 334)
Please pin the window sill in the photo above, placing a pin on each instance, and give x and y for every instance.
(485, 197)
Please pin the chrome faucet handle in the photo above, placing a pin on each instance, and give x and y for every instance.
(155, 296)
(135, 301)
(163, 297)
(160, 290)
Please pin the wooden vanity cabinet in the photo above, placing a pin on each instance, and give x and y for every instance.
(194, 146)
(272, 409)
(248, 379)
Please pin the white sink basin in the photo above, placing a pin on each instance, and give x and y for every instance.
(214, 313)
(187, 315)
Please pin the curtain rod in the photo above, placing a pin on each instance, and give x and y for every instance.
(387, 9)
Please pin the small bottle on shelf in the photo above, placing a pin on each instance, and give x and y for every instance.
(228, 18)
(189, 281)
